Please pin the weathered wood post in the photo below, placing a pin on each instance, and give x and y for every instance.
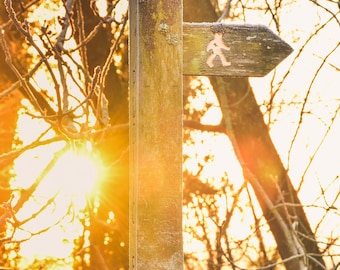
(156, 135)
(157, 44)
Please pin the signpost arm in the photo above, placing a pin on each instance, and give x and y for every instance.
(156, 134)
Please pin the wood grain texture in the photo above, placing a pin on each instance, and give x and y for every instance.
(254, 49)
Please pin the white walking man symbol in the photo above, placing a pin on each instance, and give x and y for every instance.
(216, 46)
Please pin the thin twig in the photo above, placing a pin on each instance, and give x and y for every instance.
(25, 30)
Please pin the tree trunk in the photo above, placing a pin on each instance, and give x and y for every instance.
(260, 161)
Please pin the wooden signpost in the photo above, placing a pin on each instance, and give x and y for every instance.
(231, 49)
(162, 49)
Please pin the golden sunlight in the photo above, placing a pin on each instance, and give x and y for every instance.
(52, 181)
(76, 173)
(56, 175)
(52, 213)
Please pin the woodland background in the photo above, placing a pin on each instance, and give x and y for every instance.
(261, 156)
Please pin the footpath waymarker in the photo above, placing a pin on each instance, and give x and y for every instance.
(231, 49)
(162, 48)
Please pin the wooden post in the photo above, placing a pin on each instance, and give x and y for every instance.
(156, 68)
(156, 135)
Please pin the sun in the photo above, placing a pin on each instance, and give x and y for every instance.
(66, 175)
(55, 208)
(76, 172)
